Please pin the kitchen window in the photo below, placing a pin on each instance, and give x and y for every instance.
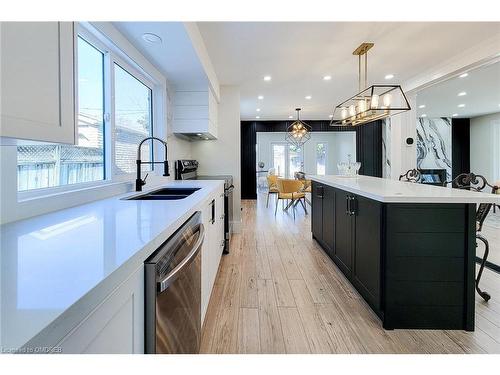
(114, 113)
(50, 165)
(133, 120)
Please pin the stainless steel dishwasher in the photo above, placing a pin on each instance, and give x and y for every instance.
(173, 292)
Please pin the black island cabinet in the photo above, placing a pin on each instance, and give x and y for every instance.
(413, 263)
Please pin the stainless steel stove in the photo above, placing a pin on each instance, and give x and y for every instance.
(188, 170)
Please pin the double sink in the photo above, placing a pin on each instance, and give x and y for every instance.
(168, 194)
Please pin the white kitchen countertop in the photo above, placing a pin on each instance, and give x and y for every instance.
(391, 191)
(57, 267)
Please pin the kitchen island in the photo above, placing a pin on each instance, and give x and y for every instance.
(409, 249)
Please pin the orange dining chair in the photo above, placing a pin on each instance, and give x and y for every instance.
(290, 190)
(272, 187)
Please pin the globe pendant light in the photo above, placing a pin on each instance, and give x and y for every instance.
(298, 132)
(371, 103)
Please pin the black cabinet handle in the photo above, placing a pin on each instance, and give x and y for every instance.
(212, 219)
(352, 205)
(347, 205)
(318, 189)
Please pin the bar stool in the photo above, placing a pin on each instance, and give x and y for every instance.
(411, 175)
(475, 182)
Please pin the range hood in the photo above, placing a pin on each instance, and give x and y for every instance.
(195, 115)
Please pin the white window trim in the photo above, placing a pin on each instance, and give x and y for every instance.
(112, 54)
(316, 156)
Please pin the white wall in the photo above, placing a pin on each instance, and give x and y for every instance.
(485, 146)
(222, 156)
(339, 145)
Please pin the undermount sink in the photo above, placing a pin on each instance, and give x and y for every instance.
(166, 194)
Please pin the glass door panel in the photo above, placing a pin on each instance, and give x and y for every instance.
(295, 160)
(279, 158)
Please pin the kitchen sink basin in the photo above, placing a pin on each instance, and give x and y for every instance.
(174, 191)
(166, 194)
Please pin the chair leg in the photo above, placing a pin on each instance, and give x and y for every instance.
(293, 208)
(484, 295)
(267, 203)
(302, 202)
(276, 207)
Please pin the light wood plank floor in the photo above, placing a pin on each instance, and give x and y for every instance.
(277, 292)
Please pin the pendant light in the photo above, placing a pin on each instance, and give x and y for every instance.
(298, 132)
(371, 103)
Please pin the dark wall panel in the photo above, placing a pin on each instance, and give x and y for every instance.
(248, 162)
(369, 148)
(460, 146)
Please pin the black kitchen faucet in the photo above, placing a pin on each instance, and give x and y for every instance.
(139, 183)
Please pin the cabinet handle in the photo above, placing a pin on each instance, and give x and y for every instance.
(212, 219)
(352, 205)
(318, 189)
(347, 205)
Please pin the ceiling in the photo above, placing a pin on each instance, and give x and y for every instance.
(175, 56)
(298, 54)
(482, 88)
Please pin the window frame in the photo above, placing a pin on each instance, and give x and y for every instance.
(316, 156)
(112, 54)
(115, 59)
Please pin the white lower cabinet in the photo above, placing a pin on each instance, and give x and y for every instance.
(213, 246)
(115, 326)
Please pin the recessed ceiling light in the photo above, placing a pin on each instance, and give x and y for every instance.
(290, 116)
(454, 115)
(308, 97)
(151, 38)
(260, 97)
(463, 75)
(258, 109)
(331, 116)
(423, 115)
(267, 78)
(389, 76)
(327, 78)
(421, 106)
(463, 93)
(461, 105)
(257, 116)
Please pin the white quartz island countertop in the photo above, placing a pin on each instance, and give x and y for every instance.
(55, 268)
(391, 191)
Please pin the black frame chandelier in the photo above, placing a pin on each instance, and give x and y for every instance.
(371, 103)
(298, 132)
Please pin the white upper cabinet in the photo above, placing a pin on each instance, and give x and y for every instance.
(195, 112)
(38, 81)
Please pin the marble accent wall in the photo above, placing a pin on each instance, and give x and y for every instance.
(434, 144)
(386, 148)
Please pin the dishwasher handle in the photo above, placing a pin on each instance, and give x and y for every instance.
(172, 276)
